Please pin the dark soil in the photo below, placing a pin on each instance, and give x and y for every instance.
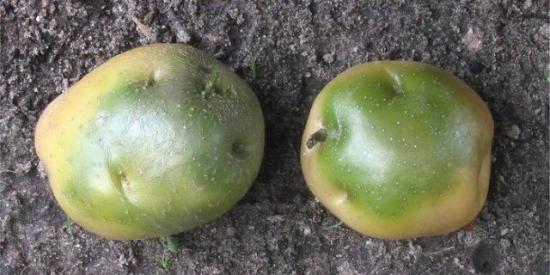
(500, 48)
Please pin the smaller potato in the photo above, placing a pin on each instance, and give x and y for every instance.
(399, 150)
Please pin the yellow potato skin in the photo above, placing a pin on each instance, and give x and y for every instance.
(155, 141)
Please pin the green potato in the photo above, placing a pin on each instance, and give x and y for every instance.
(156, 141)
(399, 150)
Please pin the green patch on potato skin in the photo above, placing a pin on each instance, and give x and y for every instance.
(399, 138)
(151, 150)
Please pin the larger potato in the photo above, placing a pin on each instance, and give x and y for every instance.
(157, 140)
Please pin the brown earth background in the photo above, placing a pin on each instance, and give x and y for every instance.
(500, 48)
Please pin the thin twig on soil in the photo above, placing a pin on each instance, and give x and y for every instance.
(333, 226)
(142, 28)
(441, 251)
